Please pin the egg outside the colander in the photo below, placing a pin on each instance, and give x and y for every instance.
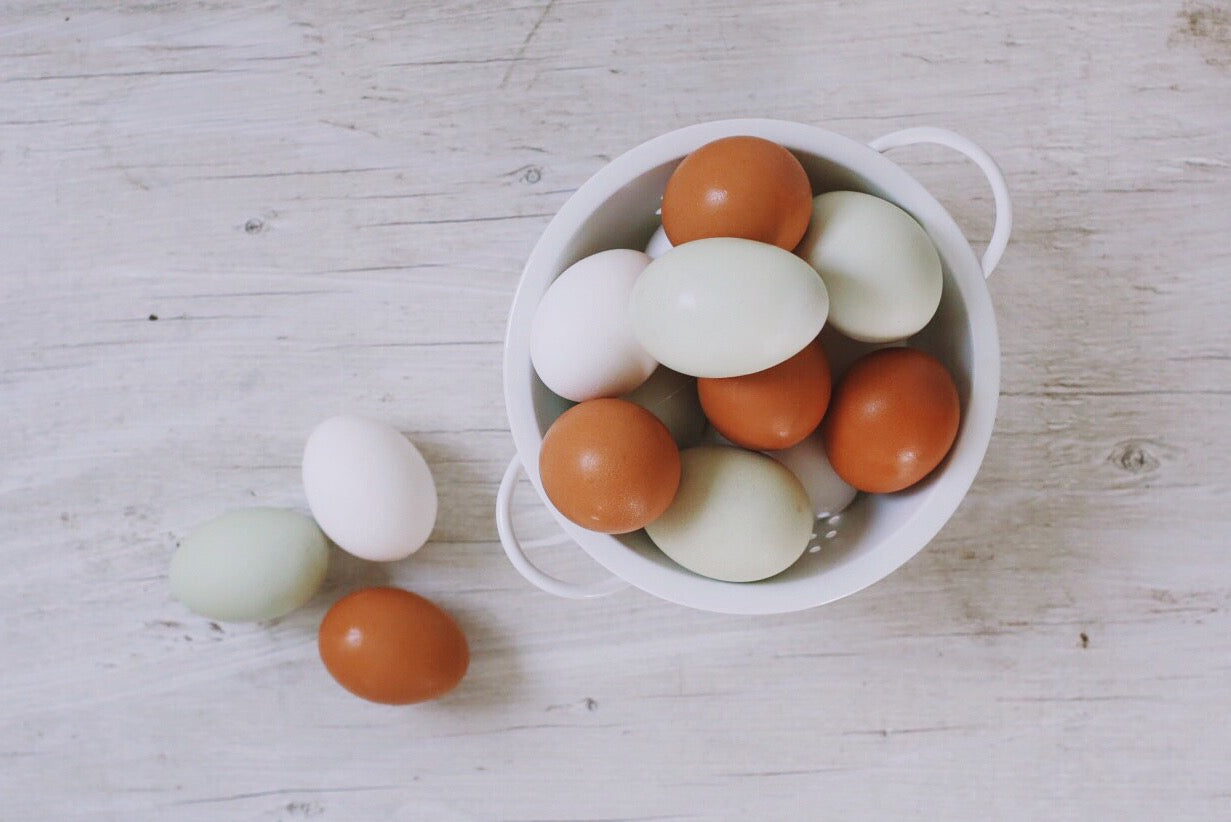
(369, 488)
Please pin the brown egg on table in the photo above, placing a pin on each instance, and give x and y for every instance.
(772, 409)
(391, 646)
(892, 419)
(745, 187)
(609, 465)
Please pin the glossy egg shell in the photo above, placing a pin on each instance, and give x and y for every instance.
(739, 516)
(369, 488)
(392, 646)
(881, 269)
(724, 307)
(250, 565)
(892, 419)
(609, 465)
(745, 187)
(772, 409)
(581, 342)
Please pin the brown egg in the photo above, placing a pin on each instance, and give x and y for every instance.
(738, 187)
(771, 409)
(609, 465)
(389, 645)
(893, 417)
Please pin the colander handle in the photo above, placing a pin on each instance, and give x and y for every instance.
(1000, 191)
(517, 555)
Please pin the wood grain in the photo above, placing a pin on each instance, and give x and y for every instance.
(225, 222)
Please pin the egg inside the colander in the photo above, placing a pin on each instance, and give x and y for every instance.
(581, 340)
(882, 271)
(893, 418)
(771, 409)
(658, 244)
(738, 186)
(738, 516)
(609, 465)
(830, 494)
(724, 307)
(672, 397)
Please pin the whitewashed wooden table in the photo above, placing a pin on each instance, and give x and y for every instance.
(222, 224)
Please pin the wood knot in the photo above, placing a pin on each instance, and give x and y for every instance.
(1206, 25)
(1131, 456)
(254, 226)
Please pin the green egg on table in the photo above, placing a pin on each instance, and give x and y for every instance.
(250, 565)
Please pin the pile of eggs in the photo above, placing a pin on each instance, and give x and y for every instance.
(371, 493)
(706, 408)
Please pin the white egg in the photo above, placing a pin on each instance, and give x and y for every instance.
(672, 397)
(723, 307)
(581, 342)
(369, 488)
(881, 269)
(658, 244)
(738, 516)
(829, 493)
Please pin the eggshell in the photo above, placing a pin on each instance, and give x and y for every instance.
(609, 465)
(250, 565)
(391, 646)
(672, 397)
(829, 493)
(369, 488)
(771, 409)
(581, 342)
(658, 244)
(738, 516)
(738, 186)
(892, 419)
(724, 307)
(881, 269)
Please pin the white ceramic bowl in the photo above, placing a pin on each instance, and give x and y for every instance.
(616, 208)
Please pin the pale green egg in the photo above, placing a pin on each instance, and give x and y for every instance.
(250, 565)
(738, 515)
(725, 306)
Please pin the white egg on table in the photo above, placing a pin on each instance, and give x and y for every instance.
(658, 244)
(369, 488)
(581, 341)
(250, 565)
(829, 493)
(738, 516)
(725, 307)
(880, 267)
(672, 397)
